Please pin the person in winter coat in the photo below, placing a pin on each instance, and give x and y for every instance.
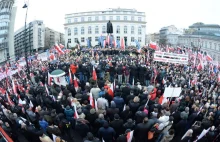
(130, 124)
(117, 124)
(141, 131)
(45, 138)
(106, 133)
(102, 103)
(99, 122)
(91, 116)
(69, 113)
(90, 138)
(134, 104)
(123, 137)
(188, 136)
(95, 91)
(82, 127)
(112, 110)
(119, 102)
(43, 124)
(126, 114)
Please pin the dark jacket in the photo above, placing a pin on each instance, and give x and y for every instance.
(69, 114)
(119, 102)
(107, 133)
(117, 125)
(141, 131)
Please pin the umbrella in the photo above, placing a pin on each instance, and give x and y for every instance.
(57, 73)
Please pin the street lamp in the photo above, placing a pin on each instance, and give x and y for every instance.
(24, 41)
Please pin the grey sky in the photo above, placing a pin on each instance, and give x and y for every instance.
(159, 13)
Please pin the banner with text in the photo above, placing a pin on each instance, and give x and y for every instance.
(170, 57)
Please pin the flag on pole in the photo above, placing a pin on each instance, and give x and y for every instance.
(76, 116)
(91, 100)
(49, 79)
(58, 49)
(209, 58)
(94, 76)
(153, 45)
(76, 85)
(46, 89)
(61, 46)
(14, 87)
(96, 106)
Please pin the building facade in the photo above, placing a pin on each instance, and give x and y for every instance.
(169, 35)
(127, 23)
(155, 37)
(7, 20)
(34, 38)
(52, 37)
(204, 36)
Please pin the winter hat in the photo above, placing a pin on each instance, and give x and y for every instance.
(116, 116)
(183, 115)
(92, 111)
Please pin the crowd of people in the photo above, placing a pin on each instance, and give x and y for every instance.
(41, 112)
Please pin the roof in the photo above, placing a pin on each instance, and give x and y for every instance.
(199, 25)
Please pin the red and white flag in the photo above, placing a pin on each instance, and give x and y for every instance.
(115, 44)
(14, 87)
(52, 56)
(58, 49)
(218, 77)
(70, 76)
(49, 79)
(76, 85)
(200, 66)
(209, 58)
(122, 43)
(111, 90)
(61, 46)
(153, 45)
(108, 40)
(130, 136)
(162, 100)
(164, 81)
(76, 116)
(200, 56)
(91, 100)
(94, 76)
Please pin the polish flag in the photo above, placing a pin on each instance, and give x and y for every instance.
(61, 46)
(111, 90)
(200, 55)
(76, 116)
(219, 78)
(14, 87)
(58, 49)
(104, 43)
(52, 56)
(9, 100)
(76, 85)
(115, 44)
(162, 100)
(209, 58)
(91, 100)
(46, 89)
(108, 40)
(153, 45)
(164, 81)
(122, 43)
(200, 66)
(70, 76)
(94, 76)
(130, 136)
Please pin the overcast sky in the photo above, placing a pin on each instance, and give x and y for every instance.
(159, 13)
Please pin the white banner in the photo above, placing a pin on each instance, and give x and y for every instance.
(170, 57)
(172, 92)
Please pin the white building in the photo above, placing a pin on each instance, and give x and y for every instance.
(127, 23)
(205, 36)
(169, 35)
(35, 36)
(7, 19)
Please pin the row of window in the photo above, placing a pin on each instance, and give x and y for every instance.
(97, 39)
(97, 18)
(118, 30)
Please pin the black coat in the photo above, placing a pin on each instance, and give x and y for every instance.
(141, 131)
(118, 126)
(109, 27)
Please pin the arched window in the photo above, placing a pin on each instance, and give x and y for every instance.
(118, 30)
(96, 30)
(75, 31)
(125, 30)
(139, 30)
(132, 29)
(103, 29)
(82, 30)
(89, 30)
(69, 32)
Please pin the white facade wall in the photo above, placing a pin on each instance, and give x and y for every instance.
(120, 18)
(172, 39)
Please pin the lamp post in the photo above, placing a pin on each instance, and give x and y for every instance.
(25, 43)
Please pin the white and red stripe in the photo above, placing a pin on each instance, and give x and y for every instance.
(122, 43)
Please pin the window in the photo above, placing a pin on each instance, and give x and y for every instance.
(69, 32)
(69, 20)
(69, 40)
(125, 30)
(75, 20)
(132, 18)
(206, 44)
(96, 38)
(125, 18)
(89, 30)
(89, 19)
(118, 18)
(132, 39)
(82, 39)
(132, 29)
(75, 31)
(139, 18)
(103, 17)
(118, 30)
(82, 30)
(103, 29)
(97, 18)
(139, 30)
(82, 19)
(139, 39)
(96, 30)
(111, 17)
(215, 45)
(118, 38)
(210, 44)
(75, 40)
